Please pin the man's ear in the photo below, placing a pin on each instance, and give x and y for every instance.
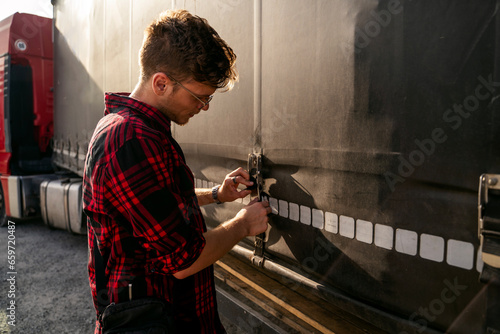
(160, 83)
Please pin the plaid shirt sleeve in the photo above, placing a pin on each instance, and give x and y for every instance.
(152, 192)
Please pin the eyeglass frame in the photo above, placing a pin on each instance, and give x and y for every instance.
(209, 98)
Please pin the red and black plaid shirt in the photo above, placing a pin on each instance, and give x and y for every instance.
(139, 192)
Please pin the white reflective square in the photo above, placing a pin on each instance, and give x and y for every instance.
(479, 261)
(431, 247)
(406, 241)
(318, 220)
(364, 231)
(305, 215)
(384, 236)
(331, 222)
(273, 203)
(346, 228)
(294, 212)
(460, 254)
(283, 205)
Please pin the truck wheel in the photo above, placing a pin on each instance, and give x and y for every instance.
(3, 215)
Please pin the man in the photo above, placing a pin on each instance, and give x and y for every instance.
(138, 192)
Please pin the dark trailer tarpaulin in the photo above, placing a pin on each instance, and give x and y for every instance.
(373, 122)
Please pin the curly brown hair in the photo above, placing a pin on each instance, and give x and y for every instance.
(186, 46)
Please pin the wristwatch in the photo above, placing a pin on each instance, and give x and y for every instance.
(215, 194)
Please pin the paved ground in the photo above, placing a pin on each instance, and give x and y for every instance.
(47, 284)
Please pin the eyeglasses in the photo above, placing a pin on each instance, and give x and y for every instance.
(208, 99)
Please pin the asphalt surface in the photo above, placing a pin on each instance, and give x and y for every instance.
(44, 284)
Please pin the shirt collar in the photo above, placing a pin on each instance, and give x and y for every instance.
(114, 102)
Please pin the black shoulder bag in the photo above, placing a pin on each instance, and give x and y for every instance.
(138, 315)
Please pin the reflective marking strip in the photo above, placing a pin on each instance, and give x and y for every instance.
(479, 260)
(273, 202)
(318, 220)
(460, 254)
(283, 206)
(346, 228)
(331, 222)
(294, 212)
(364, 231)
(305, 215)
(406, 241)
(384, 236)
(430, 247)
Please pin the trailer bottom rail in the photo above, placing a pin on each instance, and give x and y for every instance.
(257, 303)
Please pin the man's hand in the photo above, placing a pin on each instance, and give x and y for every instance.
(254, 217)
(228, 191)
(249, 221)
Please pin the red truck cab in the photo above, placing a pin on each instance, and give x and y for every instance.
(26, 106)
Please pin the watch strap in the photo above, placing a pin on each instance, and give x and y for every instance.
(215, 194)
